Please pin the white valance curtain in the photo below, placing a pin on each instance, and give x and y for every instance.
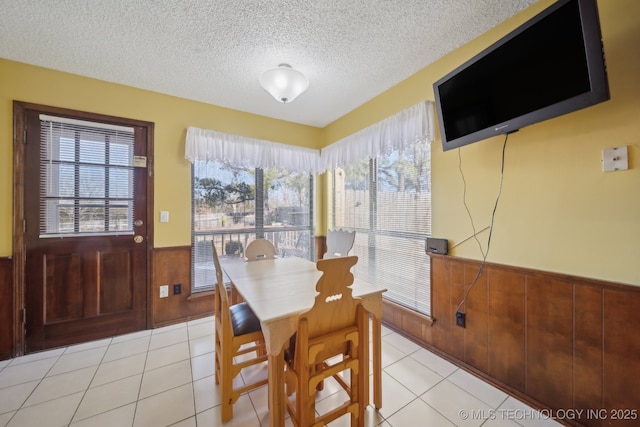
(411, 125)
(209, 145)
(414, 124)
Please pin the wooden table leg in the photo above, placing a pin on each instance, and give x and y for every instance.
(376, 330)
(373, 304)
(366, 372)
(276, 390)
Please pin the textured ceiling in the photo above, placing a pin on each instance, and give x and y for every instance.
(213, 51)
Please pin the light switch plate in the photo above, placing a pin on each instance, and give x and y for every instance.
(164, 291)
(164, 216)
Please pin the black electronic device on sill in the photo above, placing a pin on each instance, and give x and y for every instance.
(436, 246)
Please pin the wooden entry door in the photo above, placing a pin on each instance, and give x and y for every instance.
(86, 226)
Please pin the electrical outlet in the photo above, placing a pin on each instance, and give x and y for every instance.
(164, 291)
(461, 319)
(177, 289)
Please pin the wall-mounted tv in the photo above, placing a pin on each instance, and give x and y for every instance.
(551, 65)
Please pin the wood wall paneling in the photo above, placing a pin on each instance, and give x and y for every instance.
(621, 355)
(476, 345)
(173, 266)
(556, 341)
(506, 327)
(458, 286)
(549, 308)
(440, 303)
(320, 246)
(6, 308)
(587, 364)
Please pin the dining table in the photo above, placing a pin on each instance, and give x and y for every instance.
(278, 291)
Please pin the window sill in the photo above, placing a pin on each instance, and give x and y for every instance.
(396, 310)
(199, 295)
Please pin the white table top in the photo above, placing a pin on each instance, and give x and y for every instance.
(276, 289)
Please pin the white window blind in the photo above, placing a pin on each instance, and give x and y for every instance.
(386, 198)
(86, 178)
(387, 201)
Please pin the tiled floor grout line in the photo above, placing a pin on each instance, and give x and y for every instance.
(144, 369)
(84, 395)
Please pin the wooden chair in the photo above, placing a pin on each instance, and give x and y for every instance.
(339, 243)
(238, 333)
(260, 249)
(329, 341)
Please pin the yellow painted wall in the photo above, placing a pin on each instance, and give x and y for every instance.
(558, 210)
(171, 116)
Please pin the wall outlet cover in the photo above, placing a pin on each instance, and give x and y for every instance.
(461, 319)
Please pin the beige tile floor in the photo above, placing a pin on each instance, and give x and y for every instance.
(164, 377)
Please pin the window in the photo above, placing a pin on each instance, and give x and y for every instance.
(387, 201)
(233, 205)
(86, 178)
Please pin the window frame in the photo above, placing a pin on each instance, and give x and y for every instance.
(260, 230)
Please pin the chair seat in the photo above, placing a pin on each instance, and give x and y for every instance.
(243, 319)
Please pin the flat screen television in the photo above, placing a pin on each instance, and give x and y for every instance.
(551, 65)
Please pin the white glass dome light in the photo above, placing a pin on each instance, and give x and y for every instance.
(284, 83)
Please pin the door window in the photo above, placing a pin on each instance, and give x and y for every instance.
(86, 178)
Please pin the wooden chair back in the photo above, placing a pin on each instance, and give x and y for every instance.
(334, 326)
(334, 307)
(339, 243)
(260, 249)
(222, 314)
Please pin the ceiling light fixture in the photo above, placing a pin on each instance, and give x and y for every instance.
(284, 83)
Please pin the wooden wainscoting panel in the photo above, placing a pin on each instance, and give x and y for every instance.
(587, 364)
(320, 246)
(459, 283)
(550, 326)
(392, 315)
(7, 317)
(553, 340)
(441, 301)
(506, 332)
(173, 266)
(621, 355)
(476, 334)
